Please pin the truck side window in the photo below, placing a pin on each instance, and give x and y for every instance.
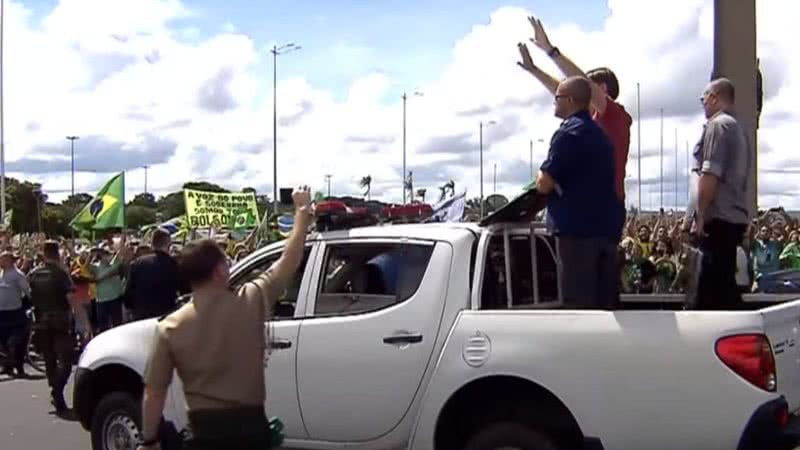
(289, 296)
(360, 278)
(495, 295)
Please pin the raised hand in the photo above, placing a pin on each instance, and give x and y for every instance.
(302, 202)
(540, 38)
(527, 61)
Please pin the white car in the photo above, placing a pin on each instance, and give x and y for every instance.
(452, 336)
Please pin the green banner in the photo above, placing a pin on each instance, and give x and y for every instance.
(220, 209)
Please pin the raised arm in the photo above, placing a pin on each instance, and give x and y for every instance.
(284, 269)
(564, 64)
(547, 80)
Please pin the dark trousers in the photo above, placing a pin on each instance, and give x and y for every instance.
(716, 286)
(14, 337)
(57, 347)
(589, 272)
(109, 314)
(229, 429)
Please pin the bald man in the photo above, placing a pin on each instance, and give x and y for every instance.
(722, 161)
(584, 212)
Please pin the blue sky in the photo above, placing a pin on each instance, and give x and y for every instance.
(411, 40)
(204, 110)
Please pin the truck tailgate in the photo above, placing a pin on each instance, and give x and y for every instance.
(781, 323)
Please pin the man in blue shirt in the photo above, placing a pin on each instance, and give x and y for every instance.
(583, 210)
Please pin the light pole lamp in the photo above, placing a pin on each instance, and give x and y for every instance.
(72, 140)
(480, 140)
(145, 178)
(405, 100)
(533, 174)
(2, 127)
(276, 50)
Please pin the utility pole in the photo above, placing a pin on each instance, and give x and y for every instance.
(639, 140)
(276, 50)
(405, 100)
(2, 126)
(480, 141)
(145, 179)
(494, 180)
(328, 181)
(72, 140)
(676, 169)
(532, 160)
(662, 158)
(688, 174)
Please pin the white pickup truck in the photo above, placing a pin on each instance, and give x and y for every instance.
(453, 336)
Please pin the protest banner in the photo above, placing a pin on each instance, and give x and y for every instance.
(220, 209)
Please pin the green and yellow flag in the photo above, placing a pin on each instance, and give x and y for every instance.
(107, 208)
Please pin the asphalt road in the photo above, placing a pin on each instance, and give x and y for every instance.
(27, 421)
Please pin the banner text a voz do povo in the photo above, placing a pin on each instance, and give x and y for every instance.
(221, 210)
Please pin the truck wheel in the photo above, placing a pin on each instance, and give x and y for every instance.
(116, 423)
(509, 435)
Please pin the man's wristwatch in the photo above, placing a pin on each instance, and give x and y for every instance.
(554, 52)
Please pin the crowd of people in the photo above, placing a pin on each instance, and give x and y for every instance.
(78, 289)
(655, 252)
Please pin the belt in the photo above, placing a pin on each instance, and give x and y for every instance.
(228, 422)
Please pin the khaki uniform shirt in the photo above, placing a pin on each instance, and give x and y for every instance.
(217, 346)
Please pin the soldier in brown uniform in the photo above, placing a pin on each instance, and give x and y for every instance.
(216, 343)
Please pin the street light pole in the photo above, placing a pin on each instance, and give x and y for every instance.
(531, 159)
(639, 141)
(72, 140)
(2, 127)
(494, 180)
(276, 50)
(533, 174)
(328, 180)
(480, 141)
(405, 100)
(676, 169)
(662, 158)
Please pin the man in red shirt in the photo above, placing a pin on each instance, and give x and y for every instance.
(609, 114)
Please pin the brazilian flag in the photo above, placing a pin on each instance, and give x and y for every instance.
(107, 208)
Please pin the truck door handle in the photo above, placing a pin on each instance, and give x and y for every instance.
(280, 344)
(403, 339)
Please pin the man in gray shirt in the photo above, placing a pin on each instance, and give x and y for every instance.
(719, 202)
(13, 321)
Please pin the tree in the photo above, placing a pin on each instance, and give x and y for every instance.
(137, 216)
(366, 182)
(79, 199)
(171, 205)
(204, 186)
(421, 193)
(144, 199)
(23, 197)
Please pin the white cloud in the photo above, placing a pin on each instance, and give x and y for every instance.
(135, 75)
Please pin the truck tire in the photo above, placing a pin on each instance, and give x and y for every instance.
(116, 423)
(509, 435)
